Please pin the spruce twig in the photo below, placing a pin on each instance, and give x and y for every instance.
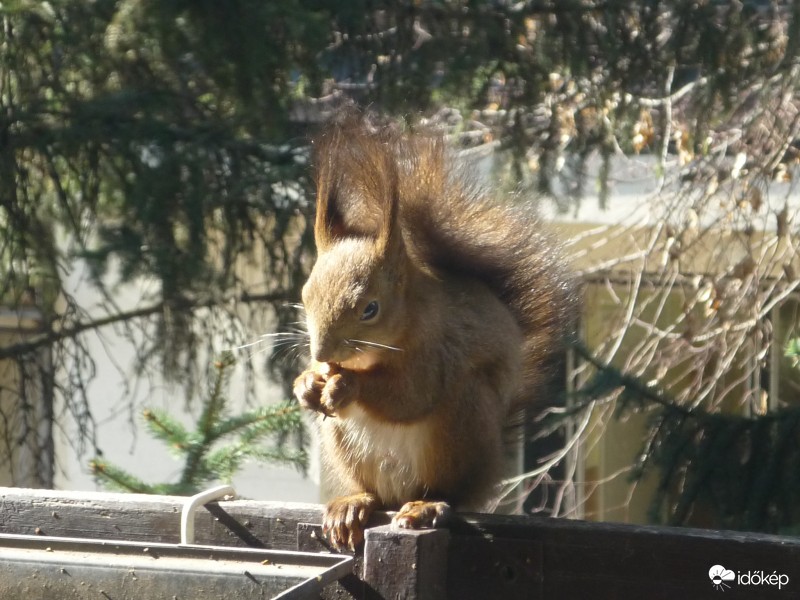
(218, 446)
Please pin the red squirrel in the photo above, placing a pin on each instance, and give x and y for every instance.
(432, 310)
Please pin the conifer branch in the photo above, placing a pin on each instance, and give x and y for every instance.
(208, 452)
(52, 336)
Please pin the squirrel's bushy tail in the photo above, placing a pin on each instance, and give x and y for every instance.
(451, 224)
(463, 228)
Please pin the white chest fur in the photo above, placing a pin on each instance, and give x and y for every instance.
(392, 457)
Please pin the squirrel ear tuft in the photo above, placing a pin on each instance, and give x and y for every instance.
(329, 224)
(357, 184)
(387, 206)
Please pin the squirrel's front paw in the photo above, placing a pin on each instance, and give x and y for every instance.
(340, 389)
(325, 392)
(308, 390)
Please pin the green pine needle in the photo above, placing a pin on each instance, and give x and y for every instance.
(219, 446)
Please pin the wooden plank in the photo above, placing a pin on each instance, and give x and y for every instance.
(605, 560)
(402, 563)
(146, 518)
(492, 567)
(152, 519)
(489, 555)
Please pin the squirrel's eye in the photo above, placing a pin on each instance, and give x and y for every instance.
(370, 311)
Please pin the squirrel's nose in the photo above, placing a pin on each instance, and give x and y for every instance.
(321, 350)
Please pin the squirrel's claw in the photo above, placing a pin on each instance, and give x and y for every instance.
(422, 514)
(346, 518)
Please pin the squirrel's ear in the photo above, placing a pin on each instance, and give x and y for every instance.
(390, 238)
(371, 214)
(357, 186)
(329, 223)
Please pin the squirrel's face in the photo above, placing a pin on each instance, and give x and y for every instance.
(354, 305)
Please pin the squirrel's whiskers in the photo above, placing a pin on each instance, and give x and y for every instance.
(356, 344)
(284, 340)
(295, 338)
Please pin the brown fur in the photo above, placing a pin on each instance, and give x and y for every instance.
(473, 301)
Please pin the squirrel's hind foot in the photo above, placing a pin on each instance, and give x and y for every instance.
(345, 519)
(422, 514)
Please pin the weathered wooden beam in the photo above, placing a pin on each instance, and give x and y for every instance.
(610, 560)
(402, 563)
(145, 518)
(487, 556)
(156, 519)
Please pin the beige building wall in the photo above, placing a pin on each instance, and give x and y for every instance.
(25, 405)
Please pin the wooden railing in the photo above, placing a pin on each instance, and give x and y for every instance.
(475, 557)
